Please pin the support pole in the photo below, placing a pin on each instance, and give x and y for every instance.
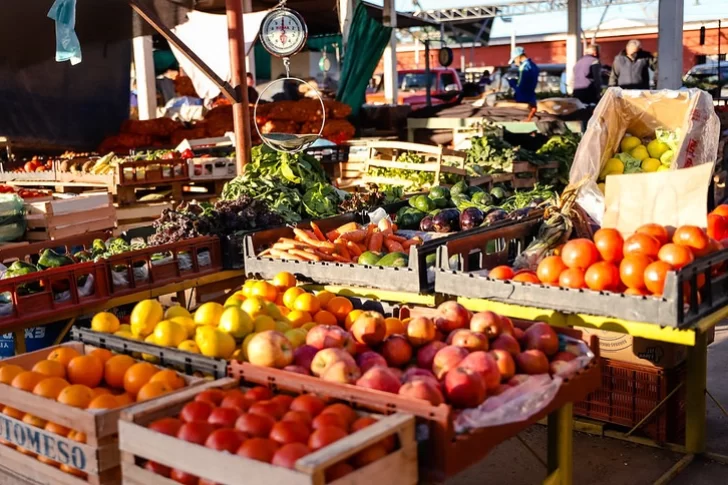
(390, 53)
(250, 60)
(145, 79)
(428, 86)
(670, 44)
(573, 42)
(696, 382)
(241, 117)
(346, 16)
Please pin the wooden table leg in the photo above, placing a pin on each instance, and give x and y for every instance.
(560, 446)
(19, 341)
(696, 382)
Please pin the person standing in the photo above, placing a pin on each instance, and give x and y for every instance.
(524, 87)
(588, 76)
(631, 67)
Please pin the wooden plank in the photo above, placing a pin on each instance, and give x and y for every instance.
(419, 167)
(36, 472)
(80, 228)
(84, 202)
(415, 147)
(107, 213)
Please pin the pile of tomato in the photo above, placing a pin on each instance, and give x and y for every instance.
(636, 265)
(35, 165)
(24, 193)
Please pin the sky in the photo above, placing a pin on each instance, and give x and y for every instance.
(556, 22)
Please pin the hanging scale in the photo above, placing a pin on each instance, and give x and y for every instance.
(284, 34)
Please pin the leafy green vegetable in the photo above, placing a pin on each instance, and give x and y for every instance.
(631, 164)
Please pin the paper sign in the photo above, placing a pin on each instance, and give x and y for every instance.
(672, 198)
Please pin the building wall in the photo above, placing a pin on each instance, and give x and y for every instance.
(554, 51)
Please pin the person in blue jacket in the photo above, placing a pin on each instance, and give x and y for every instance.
(525, 86)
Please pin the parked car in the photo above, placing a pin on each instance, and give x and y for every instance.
(445, 88)
(705, 76)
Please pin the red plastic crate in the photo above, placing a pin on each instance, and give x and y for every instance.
(630, 391)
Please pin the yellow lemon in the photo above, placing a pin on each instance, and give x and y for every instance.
(126, 334)
(297, 318)
(169, 334)
(145, 316)
(603, 188)
(213, 342)
(189, 346)
(105, 322)
(235, 322)
(263, 322)
(614, 166)
(629, 143)
(187, 323)
(244, 346)
(272, 310)
(208, 313)
(150, 339)
(640, 153)
(176, 311)
(238, 355)
(666, 158)
(282, 326)
(236, 299)
(650, 165)
(308, 326)
(255, 306)
(663, 168)
(656, 148)
(124, 327)
(297, 337)
(247, 288)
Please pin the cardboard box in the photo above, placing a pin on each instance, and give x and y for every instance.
(635, 350)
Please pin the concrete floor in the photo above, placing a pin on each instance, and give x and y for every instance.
(606, 461)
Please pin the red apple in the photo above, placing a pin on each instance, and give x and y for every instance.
(423, 388)
(446, 359)
(397, 350)
(464, 388)
(369, 329)
(467, 339)
(506, 342)
(270, 349)
(330, 336)
(414, 372)
(488, 323)
(519, 334)
(540, 336)
(426, 354)
(505, 362)
(361, 348)
(485, 365)
(370, 359)
(326, 357)
(532, 362)
(297, 369)
(507, 326)
(451, 316)
(379, 378)
(420, 331)
(396, 372)
(303, 356)
(342, 371)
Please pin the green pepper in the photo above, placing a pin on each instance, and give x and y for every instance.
(51, 259)
(19, 268)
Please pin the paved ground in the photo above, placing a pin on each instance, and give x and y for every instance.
(606, 461)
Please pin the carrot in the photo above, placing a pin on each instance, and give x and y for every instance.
(375, 244)
(395, 227)
(332, 235)
(349, 226)
(341, 249)
(303, 254)
(370, 230)
(264, 253)
(305, 237)
(323, 256)
(353, 248)
(354, 236)
(362, 247)
(286, 246)
(387, 232)
(399, 239)
(384, 224)
(317, 232)
(284, 255)
(393, 246)
(292, 242)
(408, 244)
(340, 259)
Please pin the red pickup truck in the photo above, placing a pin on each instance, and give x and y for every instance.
(445, 88)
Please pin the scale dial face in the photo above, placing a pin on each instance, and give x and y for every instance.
(283, 32)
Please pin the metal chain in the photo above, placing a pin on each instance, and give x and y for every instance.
(281, 4)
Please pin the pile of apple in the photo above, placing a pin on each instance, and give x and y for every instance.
(456, 357)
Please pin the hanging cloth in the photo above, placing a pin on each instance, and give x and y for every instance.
(68, 47)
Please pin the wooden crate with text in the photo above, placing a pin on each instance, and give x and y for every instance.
(60, 218)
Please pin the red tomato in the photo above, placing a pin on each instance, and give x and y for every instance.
(602, 276)
(579, 253)
(609, 243)
(168, 426)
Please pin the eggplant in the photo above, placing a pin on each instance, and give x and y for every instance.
(447, 220)
(470, 218)
(426, 224)
(494, 216)
(519, 214)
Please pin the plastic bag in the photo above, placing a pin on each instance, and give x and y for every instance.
(687, 112)
(12, 217)
(68, 48)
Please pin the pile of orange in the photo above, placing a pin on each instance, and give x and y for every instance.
(636, 265)
(97, 380)
(259, 425)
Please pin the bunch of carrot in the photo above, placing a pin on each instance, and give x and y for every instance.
(344, 244)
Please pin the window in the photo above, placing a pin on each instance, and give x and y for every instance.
(446, 79)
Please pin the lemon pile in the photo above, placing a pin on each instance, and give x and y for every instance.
(656, 156)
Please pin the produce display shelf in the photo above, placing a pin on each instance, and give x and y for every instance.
(137, 441)
(444, 453)
(471, 255)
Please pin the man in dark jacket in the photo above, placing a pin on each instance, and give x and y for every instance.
(588, 77)
(524, 87)
(631, 67)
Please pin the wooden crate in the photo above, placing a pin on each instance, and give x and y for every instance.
(136, 441)
(98, 457)
(511, 178)
(139, 215)
(59, 218)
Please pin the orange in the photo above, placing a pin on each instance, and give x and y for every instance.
(8, 373)
(394, 326)
(150, 390)
(298, 319)
(340, 307)
(102, 354)
(579, 253)
(138, 375)
(100, 391)
(50, 368)
(115, 368)
(325, 318)
(85, 369)
(289, 297)
(169, 377)
(641, 243)
(72, 471)
(265, 290)
(77, 395)
(124, 399)
(77, 436)
(307, 302)
(63, 355)
(501, 273)
(609, 243)
(351, 318)
(572, 278)
(27, 380)
(57, 429)
(324, 297)
(34, 421)
(550, 268)
(104, 401)
(283, 309)
(13, 413)
(284, 280)
(50, 387)
(526, 277)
